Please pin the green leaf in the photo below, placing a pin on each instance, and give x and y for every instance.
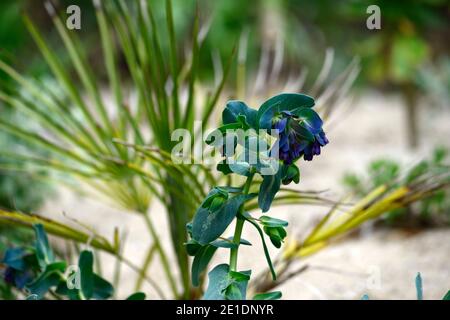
(281, 102)
(137, 296)
(208, 226)
(290, 173)
(201, 261)
(268, 296)
(229, 244)
(302, 132)
(268, 189)
(192, 247)
(447, 296)
(220, 280)
(224, 168)
(63, 290)
(239, 276)
(85, 263)
(233, 292)
(276, 234)
(230, 189)
(240, 167)
(213, 194)
(216, 204)
(50, 277)
(272, 222)
(309, 119)
(234, 109)
(43, 251)
(102, 288)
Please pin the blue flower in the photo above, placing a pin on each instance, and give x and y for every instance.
(300, 134)
(16, 278)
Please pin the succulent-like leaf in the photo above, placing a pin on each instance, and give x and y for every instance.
(268, 189)
(228, 243)
(86, 264)
(272, 222)
(102, 289)
(201, 261)
(50, 277)
(208, 226)
(234, 109)
(44, 253)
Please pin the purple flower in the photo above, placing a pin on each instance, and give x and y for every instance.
(299, 136)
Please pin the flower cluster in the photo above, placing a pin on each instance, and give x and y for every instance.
(298, 136)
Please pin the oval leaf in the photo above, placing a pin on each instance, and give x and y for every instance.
(268, 189)
(86, 263)
(201, 261)
(208, 226)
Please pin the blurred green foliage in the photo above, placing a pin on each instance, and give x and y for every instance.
(18, 190)
(412, 37)
(433, 210)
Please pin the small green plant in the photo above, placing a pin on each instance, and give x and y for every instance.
(298, 131)
(37, 273)
(430, 210)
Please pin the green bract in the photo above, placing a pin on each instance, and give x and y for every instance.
(253, 139)
(284, 102)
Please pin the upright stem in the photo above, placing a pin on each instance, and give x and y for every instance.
(239, 225)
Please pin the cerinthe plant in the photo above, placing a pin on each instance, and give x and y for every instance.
(298, 131)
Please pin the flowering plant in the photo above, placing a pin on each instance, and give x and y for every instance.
(297, 130)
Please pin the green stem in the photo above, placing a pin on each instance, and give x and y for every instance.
(239, 226)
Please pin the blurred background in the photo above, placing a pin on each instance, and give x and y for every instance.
(395, 117)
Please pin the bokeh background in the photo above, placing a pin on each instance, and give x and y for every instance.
(396, 114)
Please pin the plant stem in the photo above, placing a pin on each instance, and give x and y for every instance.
(239, 226)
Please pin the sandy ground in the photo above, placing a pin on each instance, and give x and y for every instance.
(382, 263)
